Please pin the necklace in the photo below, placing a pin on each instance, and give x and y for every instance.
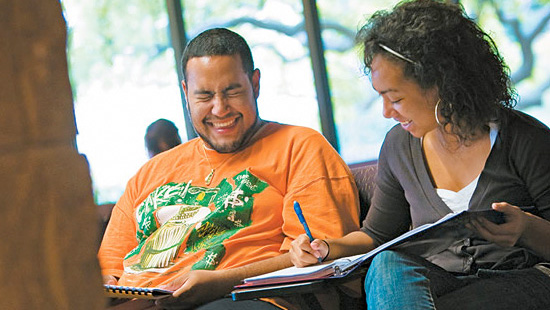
(259, 125)
(210, 176)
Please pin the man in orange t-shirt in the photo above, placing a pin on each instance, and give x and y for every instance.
(206, 214)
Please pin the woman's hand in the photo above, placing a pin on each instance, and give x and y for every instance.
(507, 234)
(304, 253)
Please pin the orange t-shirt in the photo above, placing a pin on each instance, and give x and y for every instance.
(168, 221)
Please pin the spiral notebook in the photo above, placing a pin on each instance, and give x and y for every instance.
(117, 291)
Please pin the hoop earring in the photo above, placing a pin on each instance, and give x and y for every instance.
(435, 111)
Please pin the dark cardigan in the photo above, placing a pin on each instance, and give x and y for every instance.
(517, 171)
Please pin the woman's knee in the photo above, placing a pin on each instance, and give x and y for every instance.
(387, 259)
(383, 264)
(394, 280)
(388, 266)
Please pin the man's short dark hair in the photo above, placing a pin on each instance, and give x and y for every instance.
(218, 42)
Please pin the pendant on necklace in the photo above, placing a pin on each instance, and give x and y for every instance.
(209, 177)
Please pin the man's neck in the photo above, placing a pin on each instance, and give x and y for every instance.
(253, 135)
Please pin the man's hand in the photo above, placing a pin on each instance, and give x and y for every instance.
(197, 287)
(304, 253)
(109, 279)
(201, 286)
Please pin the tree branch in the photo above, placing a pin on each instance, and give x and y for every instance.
(347, 35)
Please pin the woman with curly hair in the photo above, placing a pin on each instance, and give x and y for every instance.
(459, 145)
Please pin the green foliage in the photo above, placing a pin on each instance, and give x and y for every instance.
(104, 33)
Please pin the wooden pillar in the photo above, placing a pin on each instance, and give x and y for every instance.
(48, 220)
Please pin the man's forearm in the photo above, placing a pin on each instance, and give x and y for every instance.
(200, 286)
(236, 275)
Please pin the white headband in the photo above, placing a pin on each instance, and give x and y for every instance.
(396, 54)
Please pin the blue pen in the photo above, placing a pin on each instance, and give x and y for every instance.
(300, 215)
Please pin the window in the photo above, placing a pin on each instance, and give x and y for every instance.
(274, 30)
(357, 107)
(521, 30)
(122, 71)
(124, 75)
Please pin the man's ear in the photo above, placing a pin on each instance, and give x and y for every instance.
(185, 94)
(256, 83)
(184, 87)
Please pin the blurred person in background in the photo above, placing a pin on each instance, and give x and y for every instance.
(161, 135)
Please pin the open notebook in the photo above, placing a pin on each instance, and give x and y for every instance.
(333, 268)
(451, 223)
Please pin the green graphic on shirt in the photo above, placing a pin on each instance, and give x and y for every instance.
(211, 259)
(232, 213)
(191, 219)
(169, 194)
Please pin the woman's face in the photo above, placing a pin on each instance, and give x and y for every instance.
(403, 99)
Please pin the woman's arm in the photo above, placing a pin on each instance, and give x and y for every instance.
(304, 253)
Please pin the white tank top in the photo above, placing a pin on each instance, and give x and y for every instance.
(459, 201)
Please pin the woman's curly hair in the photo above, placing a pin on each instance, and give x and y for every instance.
(449, 51)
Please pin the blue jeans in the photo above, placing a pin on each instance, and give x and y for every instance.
(400, 281)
